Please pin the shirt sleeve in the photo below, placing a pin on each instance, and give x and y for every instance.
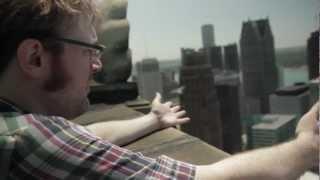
(57, 149)
(164, 167)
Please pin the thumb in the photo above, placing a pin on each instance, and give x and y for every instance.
(308, 121)
(157, 99)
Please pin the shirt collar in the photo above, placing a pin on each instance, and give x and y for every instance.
(8, 106)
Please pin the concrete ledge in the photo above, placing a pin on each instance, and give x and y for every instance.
(170, 142)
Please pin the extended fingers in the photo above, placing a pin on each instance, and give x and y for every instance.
(183, 120)
(175, 108)
(181, 113)
(168, 104)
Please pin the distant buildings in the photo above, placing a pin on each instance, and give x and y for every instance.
(224, 62)
(214, 56)
(170, 86)
(227, 85)
(313, 55)
(260, 74)
(273, 129)
(208, 35)
(212, 53)
(314, 91)
(149, 78)
(291, 100)
(199, 98)
(221, 58)
(231, 57)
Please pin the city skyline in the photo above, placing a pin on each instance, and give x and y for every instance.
(160, 28)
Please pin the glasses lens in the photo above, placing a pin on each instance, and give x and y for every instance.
(95, 54)
(98, 54)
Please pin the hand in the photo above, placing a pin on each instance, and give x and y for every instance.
(167, 114)
(308, 123)
(308, 133)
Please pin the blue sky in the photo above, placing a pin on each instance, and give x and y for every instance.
(159, 28)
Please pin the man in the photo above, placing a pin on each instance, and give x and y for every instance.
(48, 55)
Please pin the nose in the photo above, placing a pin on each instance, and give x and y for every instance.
(96, 65)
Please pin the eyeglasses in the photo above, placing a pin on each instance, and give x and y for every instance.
(95, 50)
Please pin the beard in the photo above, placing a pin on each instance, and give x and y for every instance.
(79, 108)
(59, 77)
(64, 103)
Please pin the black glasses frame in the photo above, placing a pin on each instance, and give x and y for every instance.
(99, 47)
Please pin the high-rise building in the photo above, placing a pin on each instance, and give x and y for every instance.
(314, 91)
(169, 85)
(207, 35)
(199, 98)
(260, 74)
(231, 57)
(273, 129)
(214, 56)
(149, 78)
(313, 55)
(227, 85)
(291, 100)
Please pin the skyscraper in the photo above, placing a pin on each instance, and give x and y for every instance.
(149, 78)
(207, 35)
(169, 85)
(260, 74)
(231, 57)
(313, 55)
(291, 100)
(199, 98)
(214, 56)
(227, 85)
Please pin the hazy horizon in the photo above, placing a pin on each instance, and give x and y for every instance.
(160, 28)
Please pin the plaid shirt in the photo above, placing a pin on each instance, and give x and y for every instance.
(47, 147)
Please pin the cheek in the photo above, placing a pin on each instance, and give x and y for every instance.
(81, 77)
(84, 66)
(79, 69)
(59, 78)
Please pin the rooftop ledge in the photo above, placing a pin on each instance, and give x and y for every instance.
(170, 142)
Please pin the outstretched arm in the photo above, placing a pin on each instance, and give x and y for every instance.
(286, 161)
(162, 115)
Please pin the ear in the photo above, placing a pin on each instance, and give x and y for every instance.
(32, 58)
